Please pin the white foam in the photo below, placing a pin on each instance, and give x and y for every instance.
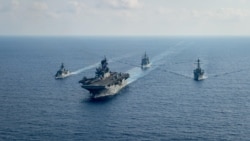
(85, 68)
(204, 77)
(136, 72)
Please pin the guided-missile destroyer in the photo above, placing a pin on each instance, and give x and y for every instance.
(198, 72)
(145, 61)
(105, 83)
(62, 72)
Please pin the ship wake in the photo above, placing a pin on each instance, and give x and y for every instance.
(179, 74)
(137, 72)
(228, 73)
(97, 64)
(85, 68)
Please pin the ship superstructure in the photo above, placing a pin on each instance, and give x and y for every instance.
(145, 63)
(105, 82)
(198, 72)
(62, 72)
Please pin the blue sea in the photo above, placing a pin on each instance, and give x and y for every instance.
(161, 103)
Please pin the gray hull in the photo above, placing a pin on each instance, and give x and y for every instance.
(198, 72)
(198, 77)
(104, 91)
(105, 83)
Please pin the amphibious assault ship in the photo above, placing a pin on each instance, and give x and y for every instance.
(105, 82)
(145, 61)
(62, 72)
(198, 72)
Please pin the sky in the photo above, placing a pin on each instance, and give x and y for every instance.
(125, 17)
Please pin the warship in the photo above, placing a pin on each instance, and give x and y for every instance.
(105, 83)
(198, 72)
(62, 72)
(145, 61)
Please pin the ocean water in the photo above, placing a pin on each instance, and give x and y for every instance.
(161, 103)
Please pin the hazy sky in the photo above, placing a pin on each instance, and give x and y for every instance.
(124, 17)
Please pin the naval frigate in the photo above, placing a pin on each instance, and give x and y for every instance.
(145, 61)
(198, 72)
(62, 72)
(105, 83)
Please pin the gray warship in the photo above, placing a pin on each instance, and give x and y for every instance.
(198, 72)
(105, 83)
(145, 61)
(62, 72)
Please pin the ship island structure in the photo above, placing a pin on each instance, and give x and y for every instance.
(105, 83)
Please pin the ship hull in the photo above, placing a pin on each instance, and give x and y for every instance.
(104, 91)
(62, 75)
(198, 77)
(198, 72)
(146, 66)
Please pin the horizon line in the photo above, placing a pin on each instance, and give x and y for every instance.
(124, 35)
